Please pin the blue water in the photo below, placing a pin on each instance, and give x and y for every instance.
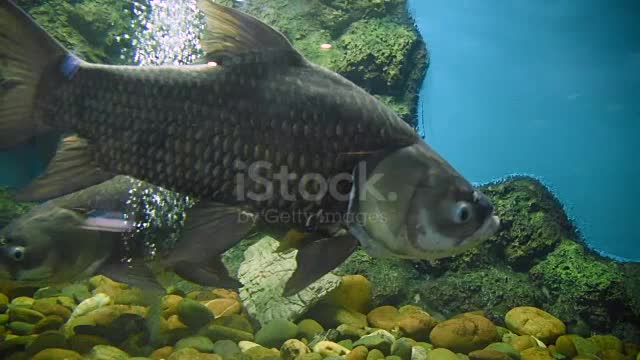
(549, 88)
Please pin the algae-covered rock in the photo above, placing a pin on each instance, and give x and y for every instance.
(200, 343)
(381, 340)
(193, 314)
(464, 334)
(488, 354)
(441, 354)
(308, 329)
(106, 352)
(329, 348)
(354, 293)
(58, 354)
(275, 333)
(293, 348)
(536, 353)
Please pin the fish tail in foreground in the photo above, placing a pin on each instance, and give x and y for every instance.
(26, 53)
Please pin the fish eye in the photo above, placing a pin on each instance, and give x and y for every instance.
(462, 211)
(17, 253)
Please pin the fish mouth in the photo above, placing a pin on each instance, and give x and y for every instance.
(488, 228)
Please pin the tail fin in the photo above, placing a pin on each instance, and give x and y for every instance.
(26, 50)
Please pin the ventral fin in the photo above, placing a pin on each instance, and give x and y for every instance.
(70, 170)
(235, 37)
(318, 258)
(209, 230)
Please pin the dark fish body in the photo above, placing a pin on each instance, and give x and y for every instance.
(191, 128)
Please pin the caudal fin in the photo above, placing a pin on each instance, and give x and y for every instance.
(26, 51)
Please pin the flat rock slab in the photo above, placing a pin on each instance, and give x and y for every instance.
(264, 274)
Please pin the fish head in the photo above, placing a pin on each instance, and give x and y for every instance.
(48, 245)
(410, 203)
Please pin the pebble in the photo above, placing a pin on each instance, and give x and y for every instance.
(418, 353)
(217, 332)
(192, 354)
(536, 353)
(21, 328)
(607, 342)
(259, 352)
(403, 348)
(441, 354)
(57, 354)
(51, 322)
(226, 348)
(23, 301)
(308, 329)
(106, 352)
(48, 339)
(505, 348)
(51, 308)
(310, 356)
(528, 320)
(23, 314)
(293, 348)
(161, 353)
(84, 343)
(88, 305)
(224, 307)
(358, 353)
(379, 339)
(329, 348)
(353, 293)
(488, 354)
(193, 314)
(524, 342)
(383, 317)
(4, 300)
(275, 333)
(170, 305)
(200, 343)
(246, 345)
(464, 334)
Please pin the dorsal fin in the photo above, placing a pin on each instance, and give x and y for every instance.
(233, 37)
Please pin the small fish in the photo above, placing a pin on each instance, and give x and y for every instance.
(262, 137)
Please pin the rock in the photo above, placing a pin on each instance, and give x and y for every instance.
(329, 348)
(234, 321)
(523, 342)
(418, 353)
(375, 354)
(161, 353)
(415, 323)
(358, 353)
(21, 328)
(354, 293)
(217, 332)
(308, 328)
(193, 314)
(505, 348)
(246, 345)
(102, 284)
(310, 356)
(224, 307)
(350, 332)
(607, 342)
(51, 322)
(380, 339)
(192, 354)
(383, 317)
(4, 318)
(293, 348)
(259, 353)
(82, 343)
(441, 354)
(275, 333)
(264, 274)
(527, 320)
(536, 353)
(23, 314)
(4, 300)
(57, 354)
(91, 304)
(106, 352)
(170, 305)
(464, 334)
(48, 308)
(200, 343)
(49, 339)
(574, 345)
(392, 357)
(226, 348)
(22, 301)
(403, 348)
(488, 354)
(332, 316)
(347, 343)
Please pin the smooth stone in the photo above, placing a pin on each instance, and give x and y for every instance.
(234, 321)
(425, 345)
(194, 314)
(23, 314)
(536, 353)
(375, 354)
(331, 316)
(310, 356)
(4, 300)
(15, 343)
(216, 332)
(607, 342)
(523, 342)
(415, 323)
(350, 332)
(259, 353)
(57, 354)
(418, 353)
(200, 343)
(488, 354)
(392, 357)
(201, 295)
(353, 293)
(192, 354)
(4, 318)
(50, 322)
(358, 353)
(91, 304)
(48, 308)
(308, 329)
(464, 334)
(78, 292)
(170, 305)
(441, 354)
(528, 320)
(347, 343)
(505, 348)
(275, 333)
(226, 348)
(161, 353)
(22, 301)
(224, 307)
(329, 348)
(84, 343)
(246, 345)
(21, 328)
(403, 348)
(383, 317)
(293, 348)
(106, 352)
(379, 339)
(48, 339)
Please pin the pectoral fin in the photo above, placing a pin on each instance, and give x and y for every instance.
(70, 170)
(210, 229)
(318, 258)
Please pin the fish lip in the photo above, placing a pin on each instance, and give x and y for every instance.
(488, 228)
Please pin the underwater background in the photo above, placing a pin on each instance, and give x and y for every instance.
(532, 292)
